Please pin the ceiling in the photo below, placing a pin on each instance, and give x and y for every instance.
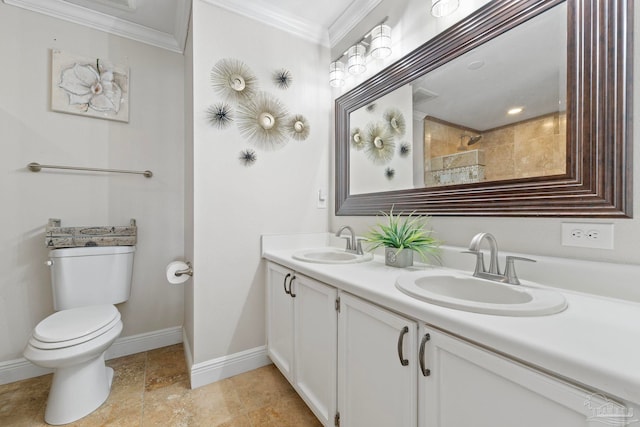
(525, 67)
(165, 23)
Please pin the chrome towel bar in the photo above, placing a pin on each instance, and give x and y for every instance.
(36, 167)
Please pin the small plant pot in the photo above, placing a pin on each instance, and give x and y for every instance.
(400, 259)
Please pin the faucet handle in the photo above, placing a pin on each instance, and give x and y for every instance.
(479, 261)
(348, 239)
(510, 269)
(358, 247)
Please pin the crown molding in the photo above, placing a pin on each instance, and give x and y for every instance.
(181, 26)
(351, 17)
(112, 25)
(308, 30)
(279, 19)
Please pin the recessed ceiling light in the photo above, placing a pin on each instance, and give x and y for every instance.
(516, 110)
(475, 65)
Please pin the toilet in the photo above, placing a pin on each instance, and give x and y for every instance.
(86, 282)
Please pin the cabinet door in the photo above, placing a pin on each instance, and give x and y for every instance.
(471, 386)
(280, 319)
(315, 329)
(375, 388)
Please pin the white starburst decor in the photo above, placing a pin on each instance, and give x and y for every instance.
(357, 139)
(262, 120)
(380, 145)
(91, 87)
(298, 127)
(395, 121)
(233, 79)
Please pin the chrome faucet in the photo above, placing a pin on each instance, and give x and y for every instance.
(474, 247)
(509, 275)
(352, 245)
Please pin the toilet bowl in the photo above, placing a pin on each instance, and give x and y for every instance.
(73, 343)
(86, 283)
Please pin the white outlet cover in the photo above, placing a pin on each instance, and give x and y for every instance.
(587, 235)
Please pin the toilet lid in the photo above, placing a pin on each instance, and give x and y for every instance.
(76, 325)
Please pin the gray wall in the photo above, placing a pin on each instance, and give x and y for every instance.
(30, 131)
(234, 204)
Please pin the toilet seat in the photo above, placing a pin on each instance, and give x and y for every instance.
(75, 326)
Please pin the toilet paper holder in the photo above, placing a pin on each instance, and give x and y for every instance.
(188, 271)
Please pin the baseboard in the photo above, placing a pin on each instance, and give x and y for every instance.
(20, 369)
(213, 370)
(188, 355)
(144, 342)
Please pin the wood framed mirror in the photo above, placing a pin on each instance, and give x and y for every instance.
(592, 116)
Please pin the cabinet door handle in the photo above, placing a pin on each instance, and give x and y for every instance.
(403, 332)
(285, 283)
(426, 372)
(291, 284)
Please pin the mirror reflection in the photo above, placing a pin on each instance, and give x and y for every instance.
(495, 113)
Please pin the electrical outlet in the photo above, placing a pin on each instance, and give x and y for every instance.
(587, 235)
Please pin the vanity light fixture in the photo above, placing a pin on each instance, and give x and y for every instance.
(336, 74)
(356, 61)
(376, 43)
(440, 8)
(380, 41)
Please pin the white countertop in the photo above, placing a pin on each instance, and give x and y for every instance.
(594, 342)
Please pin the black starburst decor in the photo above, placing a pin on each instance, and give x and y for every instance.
(405, 149)
(248, 157)
(282, 78)
(389, 173)
(220, 115)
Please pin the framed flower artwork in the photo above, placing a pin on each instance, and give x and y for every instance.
(91, 87)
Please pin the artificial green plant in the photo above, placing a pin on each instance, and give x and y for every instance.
(408, 233)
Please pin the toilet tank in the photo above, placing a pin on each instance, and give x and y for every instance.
(90, 275)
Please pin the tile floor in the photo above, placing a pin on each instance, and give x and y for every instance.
(152, 389)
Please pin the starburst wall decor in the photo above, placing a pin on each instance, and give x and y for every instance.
(282, 78)
(298, 127)
(379, 143)
(233, 80)
(248, 157)
(357, 139)
(262, 120)
(405, 149)
(220, 115)
(260, 117)
(395, 121)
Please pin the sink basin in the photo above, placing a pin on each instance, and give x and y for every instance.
(462, 291)
(331, 256)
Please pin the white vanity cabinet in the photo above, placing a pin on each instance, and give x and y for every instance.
(467, 385)
(316, 339)
(280, 319)
(377, 356)
(358, 364)
(301, 336)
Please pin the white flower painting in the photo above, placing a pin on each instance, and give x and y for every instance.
(89, 87)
